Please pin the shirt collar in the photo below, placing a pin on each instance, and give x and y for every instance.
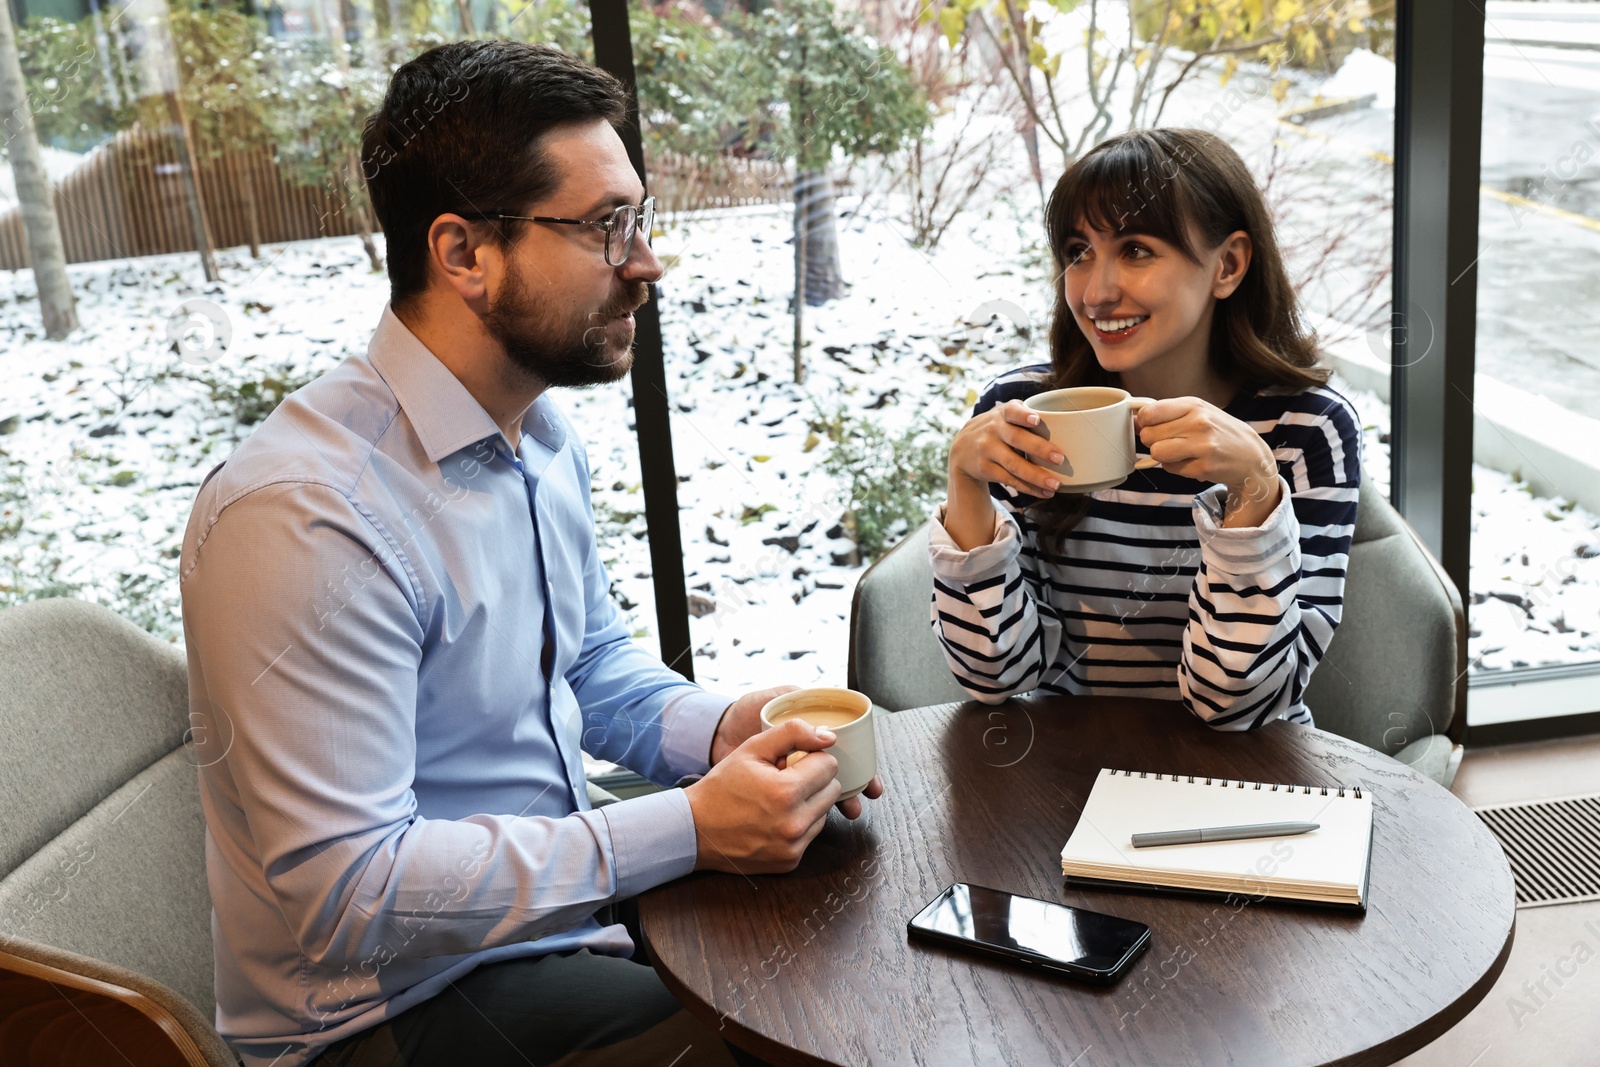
(445, 416)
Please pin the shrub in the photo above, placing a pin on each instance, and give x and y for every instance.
(249, 400)
(894, 480)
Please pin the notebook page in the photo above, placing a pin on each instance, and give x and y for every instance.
(1120, 806)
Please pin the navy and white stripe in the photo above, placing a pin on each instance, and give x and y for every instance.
(1149, 595)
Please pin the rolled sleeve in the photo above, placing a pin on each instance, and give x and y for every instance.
(652, 840)
(953, 563)
(1264, 554)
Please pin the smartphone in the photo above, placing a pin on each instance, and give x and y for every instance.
(1086, 945)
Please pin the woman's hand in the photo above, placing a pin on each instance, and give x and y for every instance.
(987, 449)
(1198, 440)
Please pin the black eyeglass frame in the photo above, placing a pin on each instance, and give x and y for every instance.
(646, 220)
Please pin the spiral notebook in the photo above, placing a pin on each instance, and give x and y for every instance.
(1329, 865)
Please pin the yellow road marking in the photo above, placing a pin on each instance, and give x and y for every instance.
(1548, 210)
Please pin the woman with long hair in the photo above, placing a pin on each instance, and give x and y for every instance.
(1215, 578)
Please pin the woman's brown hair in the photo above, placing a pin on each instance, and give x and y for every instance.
(1176, 185)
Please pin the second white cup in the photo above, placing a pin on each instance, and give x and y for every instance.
(844, 711)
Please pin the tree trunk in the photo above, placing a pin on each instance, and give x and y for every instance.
(397, 31)
(102, 44)
(190, 169)
(119, 56)
(252, 213)
(362, 208)
(466, 17)
(245, 156)
(355, 192)
(814, 210)
(800, 230)
(45, 250)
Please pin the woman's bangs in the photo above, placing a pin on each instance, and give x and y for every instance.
(1121, 190)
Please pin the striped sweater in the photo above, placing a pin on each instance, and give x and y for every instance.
(1149, 595)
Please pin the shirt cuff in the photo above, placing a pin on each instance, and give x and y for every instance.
(652, 840)
(688, 723)
(1270, 551)
(952, 563)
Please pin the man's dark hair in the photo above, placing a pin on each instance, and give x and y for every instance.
(459, 130)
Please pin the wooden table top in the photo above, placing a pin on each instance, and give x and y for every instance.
(815, 966)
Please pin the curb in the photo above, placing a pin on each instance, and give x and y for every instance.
(1555, 450)
(1323, 109)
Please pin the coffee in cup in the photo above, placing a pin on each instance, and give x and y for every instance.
(1092, 427)
(844, 711)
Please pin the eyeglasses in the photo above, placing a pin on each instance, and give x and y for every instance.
(621, 227)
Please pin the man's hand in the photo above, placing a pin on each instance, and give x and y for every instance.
(752, 814)
(742, 721)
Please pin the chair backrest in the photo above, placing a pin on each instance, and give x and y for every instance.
(1394, 672)
(102, 847)
(1390, 676)
(894, 657)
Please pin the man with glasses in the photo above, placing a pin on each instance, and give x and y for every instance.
(400, 634)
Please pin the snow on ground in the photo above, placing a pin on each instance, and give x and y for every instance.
(104, 438)
(1363, 73)
(896, 351)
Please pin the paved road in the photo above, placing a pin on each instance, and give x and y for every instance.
(1539, 278)
(1539, 218)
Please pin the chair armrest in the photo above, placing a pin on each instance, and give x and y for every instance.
(85, 998)
(1435, 756)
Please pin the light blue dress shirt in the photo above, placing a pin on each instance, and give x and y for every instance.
(399, 637)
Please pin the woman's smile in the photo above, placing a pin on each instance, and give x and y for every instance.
(1114, 331)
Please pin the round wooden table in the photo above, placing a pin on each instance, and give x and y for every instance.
(815, 966)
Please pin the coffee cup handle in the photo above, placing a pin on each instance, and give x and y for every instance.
(795, 757)
(1135, 404)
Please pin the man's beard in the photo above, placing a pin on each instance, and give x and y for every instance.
(583, 350)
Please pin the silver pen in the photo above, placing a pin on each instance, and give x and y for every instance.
(1223, 833)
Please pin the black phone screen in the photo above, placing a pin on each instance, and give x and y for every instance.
(1026, 928)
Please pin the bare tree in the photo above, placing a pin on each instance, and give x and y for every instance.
(1340, 264)
(161, 76)
(354, 176)
(944, 169)
(45, 250)
(1127, 81)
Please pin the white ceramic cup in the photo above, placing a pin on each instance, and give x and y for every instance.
(856, 747)
(1092, 425)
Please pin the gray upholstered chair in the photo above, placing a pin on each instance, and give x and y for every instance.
(1394, 677)
(105, 920)
(105, 917)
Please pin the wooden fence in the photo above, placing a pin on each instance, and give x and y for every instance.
(127, 198)
(682, 183)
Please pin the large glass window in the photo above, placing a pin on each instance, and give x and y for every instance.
(1536, 487)
(926, 272)
(220, 257)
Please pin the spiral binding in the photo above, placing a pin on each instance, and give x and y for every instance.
(1229, 783)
